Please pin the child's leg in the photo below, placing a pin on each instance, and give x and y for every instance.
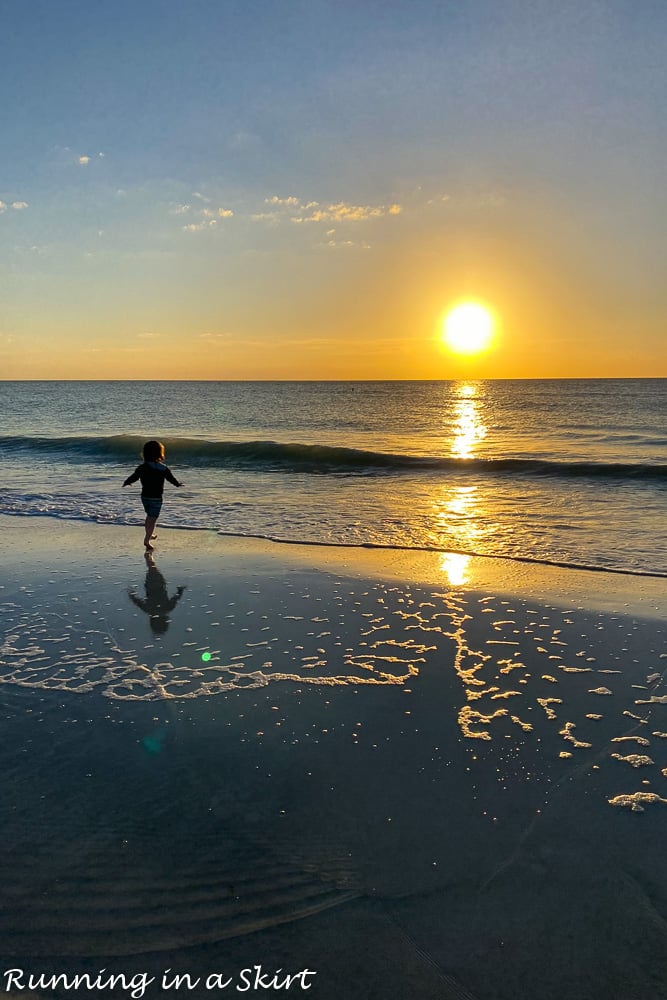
(150, 528)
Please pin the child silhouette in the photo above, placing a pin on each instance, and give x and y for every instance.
(152, 473)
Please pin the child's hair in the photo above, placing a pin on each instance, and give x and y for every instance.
(153, 451)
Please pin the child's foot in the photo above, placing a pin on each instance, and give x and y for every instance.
(153, 536)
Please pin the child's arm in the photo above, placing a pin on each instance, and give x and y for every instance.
(169, 476)
(133, 478)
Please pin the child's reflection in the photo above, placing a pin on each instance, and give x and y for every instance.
(157, 604)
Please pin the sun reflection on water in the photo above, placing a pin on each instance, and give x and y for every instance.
(456, 508)
(456, 514)
(455, 566)
(468, 428)
(456, 517)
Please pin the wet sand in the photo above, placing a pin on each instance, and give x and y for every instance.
(416, 777)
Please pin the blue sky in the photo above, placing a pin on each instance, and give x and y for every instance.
(302, 176)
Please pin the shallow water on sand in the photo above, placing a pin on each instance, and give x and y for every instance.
(408, 789)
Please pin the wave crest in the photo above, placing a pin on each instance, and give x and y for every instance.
(268, 456)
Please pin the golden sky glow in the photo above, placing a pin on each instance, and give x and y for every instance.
(299, 208)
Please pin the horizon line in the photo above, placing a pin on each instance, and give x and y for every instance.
(471, 378)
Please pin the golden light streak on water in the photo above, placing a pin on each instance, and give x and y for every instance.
(456, 568)
(469, 429)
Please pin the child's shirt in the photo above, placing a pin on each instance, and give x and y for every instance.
(152, 476)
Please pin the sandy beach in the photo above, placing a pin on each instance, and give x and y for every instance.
(411, 776)
(360, 309)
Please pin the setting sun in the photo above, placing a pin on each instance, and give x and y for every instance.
(467, 328)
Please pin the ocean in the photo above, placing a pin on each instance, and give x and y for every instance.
(220, 761)
(566, 471)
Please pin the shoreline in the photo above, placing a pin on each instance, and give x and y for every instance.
(595, 588)
(250, 753)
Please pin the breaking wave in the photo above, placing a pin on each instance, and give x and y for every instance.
(270, 456)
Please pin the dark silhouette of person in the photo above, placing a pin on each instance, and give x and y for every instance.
(157, 604)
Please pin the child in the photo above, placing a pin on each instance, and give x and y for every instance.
(152, 474)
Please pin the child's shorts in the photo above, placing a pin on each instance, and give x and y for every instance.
(152, 506)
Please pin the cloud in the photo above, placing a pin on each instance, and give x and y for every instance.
(290, 202)
(197, 227)
(342, 212)
(208, 216)
(314, 211)
(344, 245)
(18, 206)
(222, 213)
(287, 209)
(85, 160)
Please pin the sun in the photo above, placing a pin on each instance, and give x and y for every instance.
(468, 328)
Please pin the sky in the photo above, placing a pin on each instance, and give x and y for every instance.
(301, 189)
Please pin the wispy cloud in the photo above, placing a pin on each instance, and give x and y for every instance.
(17, 206)
(290, 202)
(207, 217)
(291, 210)
(342, 212)
(345, 245)
(300, 211)
(197, 227)
(86, 159)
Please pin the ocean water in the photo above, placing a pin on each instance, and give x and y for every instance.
(571, 471)
(211, 765)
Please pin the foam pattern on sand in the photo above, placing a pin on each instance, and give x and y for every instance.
(250, 644)
(568, 683)
(505, 661)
